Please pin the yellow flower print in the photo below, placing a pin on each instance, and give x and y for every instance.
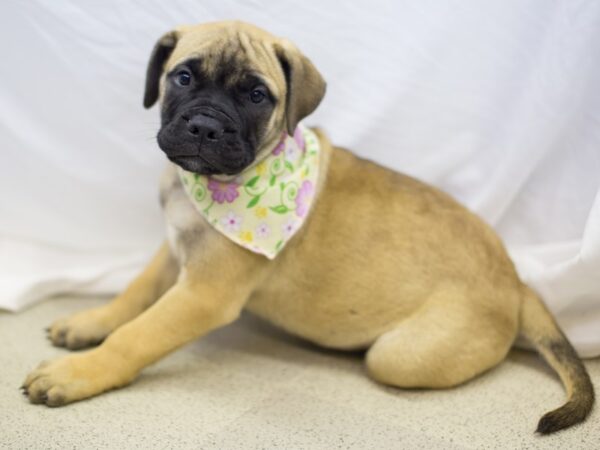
(261, 168)
(246, 236)
(261, 212)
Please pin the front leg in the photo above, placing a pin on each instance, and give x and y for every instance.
(193, 307)
(90, 327)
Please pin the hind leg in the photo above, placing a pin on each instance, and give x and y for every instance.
(450, 340)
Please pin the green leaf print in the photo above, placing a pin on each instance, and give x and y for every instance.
(289, 166)
(252, 181)
(279, 209)
(272, 180)
(253, 202)
(208, 207)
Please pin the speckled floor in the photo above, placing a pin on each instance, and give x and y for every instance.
(249, 386)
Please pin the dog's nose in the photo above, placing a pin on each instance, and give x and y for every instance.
(204, 127)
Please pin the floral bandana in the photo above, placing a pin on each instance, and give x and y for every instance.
(264, 206)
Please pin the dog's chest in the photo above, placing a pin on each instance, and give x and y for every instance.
(184, 225)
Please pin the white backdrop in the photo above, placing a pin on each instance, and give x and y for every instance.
(496, 102)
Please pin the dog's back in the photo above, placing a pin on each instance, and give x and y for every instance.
(374, 247)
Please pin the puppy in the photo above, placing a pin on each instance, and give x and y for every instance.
(265, 214)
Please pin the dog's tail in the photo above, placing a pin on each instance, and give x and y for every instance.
(539, 328)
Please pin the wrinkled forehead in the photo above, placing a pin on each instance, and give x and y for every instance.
(229, 57)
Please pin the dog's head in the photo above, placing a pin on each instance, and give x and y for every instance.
(227, 91)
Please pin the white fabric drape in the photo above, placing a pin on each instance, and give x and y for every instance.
(496, 102)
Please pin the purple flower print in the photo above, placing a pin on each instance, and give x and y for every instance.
(223, 192)
(231, 222)
(263, 230)
(303, 198)
(279, 148)
(291, 153)
(299, 138)
(289, 227)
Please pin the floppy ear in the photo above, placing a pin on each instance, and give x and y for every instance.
(305, 85)
(162, 50)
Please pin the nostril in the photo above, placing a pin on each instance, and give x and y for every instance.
(212, 135)
(193, 129)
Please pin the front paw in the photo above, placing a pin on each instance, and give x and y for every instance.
(84, 329)
(75, 377)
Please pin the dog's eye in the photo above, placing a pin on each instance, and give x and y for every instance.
(257, 95)
(183, 78)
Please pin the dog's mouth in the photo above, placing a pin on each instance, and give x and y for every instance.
(201, 165)
(193, 148)
(195, 164)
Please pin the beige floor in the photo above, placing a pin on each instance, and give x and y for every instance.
(249, 386)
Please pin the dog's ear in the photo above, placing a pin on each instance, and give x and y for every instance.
(161, 52)
(305, 85)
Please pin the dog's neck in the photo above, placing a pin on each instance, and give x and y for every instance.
(265, 205)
